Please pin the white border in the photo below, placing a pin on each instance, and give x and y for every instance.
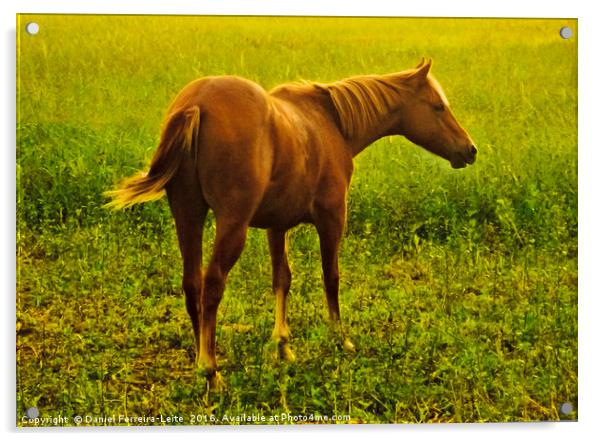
(589, 200)
(457, 8)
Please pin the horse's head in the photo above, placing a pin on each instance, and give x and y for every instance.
(426, 119)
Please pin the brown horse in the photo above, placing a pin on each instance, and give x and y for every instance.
(274, 160)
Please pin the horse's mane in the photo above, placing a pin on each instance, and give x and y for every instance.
(361, 102)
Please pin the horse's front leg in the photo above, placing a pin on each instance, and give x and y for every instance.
(330, 223)
(281, 284)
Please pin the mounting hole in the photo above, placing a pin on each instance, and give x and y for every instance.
(32, 413)
(32, 28)
(566, 32)
(566, 408)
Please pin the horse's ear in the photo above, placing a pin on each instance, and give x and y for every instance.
(420, 64)
(423, 69)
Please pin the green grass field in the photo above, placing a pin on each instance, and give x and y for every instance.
(459, 287)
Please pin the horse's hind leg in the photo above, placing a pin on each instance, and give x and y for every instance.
(189, 210)
(229, 243)
(281, 284)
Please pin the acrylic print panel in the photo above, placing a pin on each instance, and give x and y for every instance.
(457, 270)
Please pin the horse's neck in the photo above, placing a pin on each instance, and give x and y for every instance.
(385, 123)
(317, 98)
(361, 141)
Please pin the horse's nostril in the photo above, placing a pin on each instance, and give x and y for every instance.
(473, 150)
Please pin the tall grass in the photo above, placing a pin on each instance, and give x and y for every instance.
(459, 287)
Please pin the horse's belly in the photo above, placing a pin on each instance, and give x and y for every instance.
(282, 210)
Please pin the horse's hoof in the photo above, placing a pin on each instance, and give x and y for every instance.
(216, 383)
(214, 379)
(285, 353)
(349, 347)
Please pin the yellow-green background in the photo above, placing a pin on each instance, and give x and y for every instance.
(459, 287)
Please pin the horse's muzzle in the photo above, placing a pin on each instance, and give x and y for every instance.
(461, 159)
(472, 155)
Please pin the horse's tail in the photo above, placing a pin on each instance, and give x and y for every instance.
(178, 138)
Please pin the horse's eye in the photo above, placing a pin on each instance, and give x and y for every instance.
(439, 107)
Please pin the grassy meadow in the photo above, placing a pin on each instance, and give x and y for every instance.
(459, 287)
